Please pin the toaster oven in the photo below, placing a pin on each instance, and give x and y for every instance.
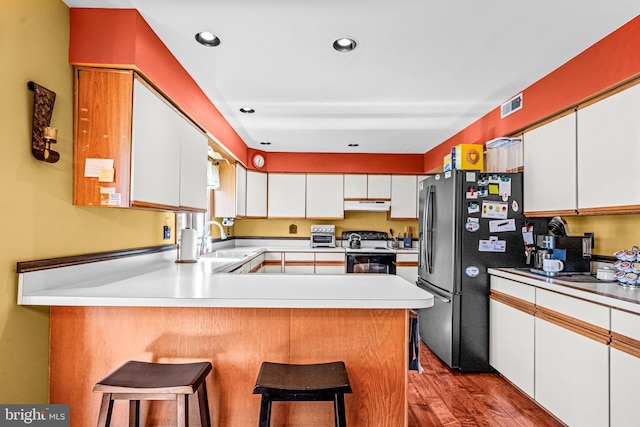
(323, 236)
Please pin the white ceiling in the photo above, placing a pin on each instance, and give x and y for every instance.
(423, 69)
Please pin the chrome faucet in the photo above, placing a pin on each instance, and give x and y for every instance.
(206, 233)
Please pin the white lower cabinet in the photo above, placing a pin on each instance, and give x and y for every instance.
(299, 263)
(407, 265)
(273, 262)
(571, 369)
(329, 263)
(511, 334)
(624, 368)
(556, 349)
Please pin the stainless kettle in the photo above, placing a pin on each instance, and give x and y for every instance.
(354, 241)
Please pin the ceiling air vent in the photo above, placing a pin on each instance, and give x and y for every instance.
(512, 105)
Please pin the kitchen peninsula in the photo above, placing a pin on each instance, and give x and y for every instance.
(150, 308)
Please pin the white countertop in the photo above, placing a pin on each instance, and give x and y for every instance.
(607, 293)
(164, 283)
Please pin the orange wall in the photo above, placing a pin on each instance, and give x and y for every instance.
(612, 60)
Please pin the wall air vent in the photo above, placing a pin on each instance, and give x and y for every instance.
(511, 106)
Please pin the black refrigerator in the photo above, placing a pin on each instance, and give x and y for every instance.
(468, 221)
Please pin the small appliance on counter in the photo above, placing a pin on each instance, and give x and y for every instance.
(570, 254)
(323, 236)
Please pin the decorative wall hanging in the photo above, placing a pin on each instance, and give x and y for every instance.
(42, 134)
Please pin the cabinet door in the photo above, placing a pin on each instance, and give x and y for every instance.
(273, 262)
(287, 195)
(511, 333)
(571, 369)
(550, 167)
(325, 196)
(624, 368)
(379, 186)
(299, 263)
(608, 151)
(241, 190)
(155, 150)
(256, 194)
(102, 131)
(355, 186)
(330, 263)
(403, 197)
(224, 198)
(193, 168)
(407, 265)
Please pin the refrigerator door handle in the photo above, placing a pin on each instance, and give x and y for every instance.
(428, 216)
(438, 294)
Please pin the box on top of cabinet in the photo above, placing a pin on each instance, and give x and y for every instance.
(469, 157)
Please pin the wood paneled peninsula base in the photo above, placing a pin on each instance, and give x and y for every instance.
(87, 343)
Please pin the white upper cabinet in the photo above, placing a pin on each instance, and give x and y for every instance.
(355, 186)
(256, 194)
(362, 186)
(550, 167)
(609, 152)
(286, 195)
(241, 190)
(379, 186)
(404, 203)
(193, 167)
(325, 196)
(155, 149)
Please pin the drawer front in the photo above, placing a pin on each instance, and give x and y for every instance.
(594, 314)
(624, 323)
(515, 289)
(330, 256)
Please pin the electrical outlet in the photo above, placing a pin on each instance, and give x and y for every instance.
(166, 232)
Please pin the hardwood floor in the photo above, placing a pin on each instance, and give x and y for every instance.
(442, 397)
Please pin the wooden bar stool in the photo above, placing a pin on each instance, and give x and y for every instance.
(135, 381)
(315, 382)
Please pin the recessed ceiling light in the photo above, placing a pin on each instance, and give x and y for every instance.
(353, 145)
(345, 44)
(207, 38)
(247, 110)
(265, 143)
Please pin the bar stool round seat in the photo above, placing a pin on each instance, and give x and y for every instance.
(311, 382)
(135, 381)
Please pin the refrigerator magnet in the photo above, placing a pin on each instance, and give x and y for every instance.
(472, 271)
(472, 226)
(496, 226)
(515, 206)
(494, 209)
(492, 245)
(474, 207)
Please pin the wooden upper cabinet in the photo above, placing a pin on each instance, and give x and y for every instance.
(102, 129)
(133, 148)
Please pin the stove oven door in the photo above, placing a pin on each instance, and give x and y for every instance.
(371, 263)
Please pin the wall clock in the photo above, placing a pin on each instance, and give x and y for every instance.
(258, 161)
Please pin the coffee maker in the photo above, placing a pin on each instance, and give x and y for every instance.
(573, 251)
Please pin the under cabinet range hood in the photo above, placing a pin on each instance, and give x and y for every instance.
(367, 205)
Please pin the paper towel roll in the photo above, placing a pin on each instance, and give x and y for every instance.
(188, 244)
